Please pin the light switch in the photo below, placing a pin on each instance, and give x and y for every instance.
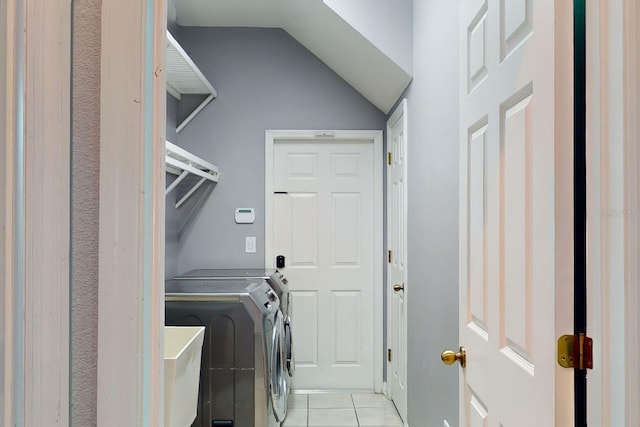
(250, 244)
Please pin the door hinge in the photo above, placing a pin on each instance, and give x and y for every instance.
(389, 355)
(389, 255)
(575, 351)
(389, 158)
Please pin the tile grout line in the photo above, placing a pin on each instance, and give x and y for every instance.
(353, 402)
(353, 405)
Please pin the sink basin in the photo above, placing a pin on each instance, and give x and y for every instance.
(182, 353)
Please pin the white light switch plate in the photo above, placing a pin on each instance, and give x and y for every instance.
(250, 244)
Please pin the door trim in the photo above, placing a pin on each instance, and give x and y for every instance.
(613, 196)
(331, 135)
(632, 207)
(11, 240)
(131, 243)
(34, 212)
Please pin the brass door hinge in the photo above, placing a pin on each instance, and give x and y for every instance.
(389, 355)
(389, 256)
(389, 158)
(575, 351)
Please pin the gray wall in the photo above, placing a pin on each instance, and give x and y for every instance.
(265, 80)
(171, 214)
(172, 16)
(433, 213)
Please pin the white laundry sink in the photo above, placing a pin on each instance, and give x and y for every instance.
(182, 353)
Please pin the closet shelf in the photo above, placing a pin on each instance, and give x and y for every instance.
(185, 78)
(180, 162)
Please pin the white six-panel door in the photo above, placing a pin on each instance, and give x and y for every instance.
(323, 223)
(397, 266)
(515, 212)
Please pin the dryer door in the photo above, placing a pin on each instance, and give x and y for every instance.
(277, 383)
(288, 345)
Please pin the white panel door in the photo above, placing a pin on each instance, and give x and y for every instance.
(515, 212)
(397, 268)
(323, 213)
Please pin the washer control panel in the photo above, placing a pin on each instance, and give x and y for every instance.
(270, 299)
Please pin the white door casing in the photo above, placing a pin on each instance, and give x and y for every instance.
(35, 207)
(397, 265)
(613, 221)
(131, 241)
(11, 56)
(516, 211)
(323, 213)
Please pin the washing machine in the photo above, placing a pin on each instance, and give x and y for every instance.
(242, 377)
(278, 283)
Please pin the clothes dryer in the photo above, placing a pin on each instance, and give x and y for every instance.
(278, 283)
(242, 379)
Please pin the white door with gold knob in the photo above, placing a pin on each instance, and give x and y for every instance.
(397, 259)
(515, 212)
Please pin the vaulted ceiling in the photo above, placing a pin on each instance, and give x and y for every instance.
(318, 27)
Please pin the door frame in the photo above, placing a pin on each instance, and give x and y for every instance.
(401, 109)
(35, 122)
(613, 175)
(376, 137)
(35, 212)
(11, 240)
(131, 243)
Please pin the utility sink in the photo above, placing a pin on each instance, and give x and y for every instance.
(182, 354)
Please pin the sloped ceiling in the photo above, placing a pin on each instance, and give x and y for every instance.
(317, 27)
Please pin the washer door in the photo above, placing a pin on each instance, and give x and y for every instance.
(288, 346)
(277, 383)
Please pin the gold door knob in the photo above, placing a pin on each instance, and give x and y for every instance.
(449, 357)
(398, 288)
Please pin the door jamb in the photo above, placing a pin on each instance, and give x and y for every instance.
(613, 197)
(632, 207)
(11, 312)
(35, 212)
(131, 242)
(330, 135)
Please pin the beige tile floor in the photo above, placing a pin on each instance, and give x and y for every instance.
(344, 410)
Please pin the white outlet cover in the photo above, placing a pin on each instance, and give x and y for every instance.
(250, 244)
